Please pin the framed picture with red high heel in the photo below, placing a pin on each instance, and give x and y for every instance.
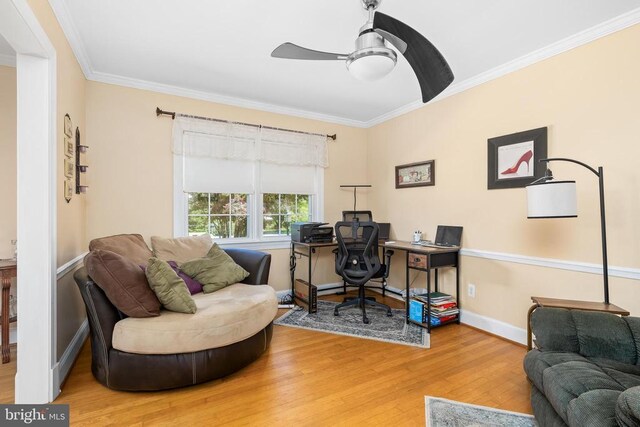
(513, 159)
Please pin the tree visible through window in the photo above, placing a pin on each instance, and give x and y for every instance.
(219, 214)
(280, 210)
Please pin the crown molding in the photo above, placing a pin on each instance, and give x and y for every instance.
(221, 99)
(7, 60)
(576, 40)
(613, 25)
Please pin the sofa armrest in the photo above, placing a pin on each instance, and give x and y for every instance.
(256, 263)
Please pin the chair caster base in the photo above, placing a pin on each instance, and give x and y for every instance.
(365, 320)
(389, 314)
(335, 313)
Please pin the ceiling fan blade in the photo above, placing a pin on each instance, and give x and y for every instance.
(293, 51)
(432, 70)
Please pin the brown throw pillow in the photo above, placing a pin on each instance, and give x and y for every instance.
(131, 246)
(181, 249)
(124, 283)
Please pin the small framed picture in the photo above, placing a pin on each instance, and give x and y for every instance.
(68, 126)
(69, 148)
(69, 167)
(68, 189)
(418, 174)
(513, 159)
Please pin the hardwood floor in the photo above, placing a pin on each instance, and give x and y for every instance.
(315, 378)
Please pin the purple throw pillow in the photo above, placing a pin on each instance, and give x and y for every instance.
(193, 285)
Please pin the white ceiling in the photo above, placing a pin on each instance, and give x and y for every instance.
(220, 50)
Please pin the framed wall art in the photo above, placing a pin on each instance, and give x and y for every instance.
(69, 167)
(418, 174)
(68, 127)
(513, 159)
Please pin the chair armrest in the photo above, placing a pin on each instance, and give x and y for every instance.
(628, 407)
(256, 263)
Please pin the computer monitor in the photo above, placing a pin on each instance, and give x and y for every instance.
(383, 230)
(448, 235)
(357, 216)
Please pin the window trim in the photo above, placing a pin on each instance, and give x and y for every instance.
(255, 239)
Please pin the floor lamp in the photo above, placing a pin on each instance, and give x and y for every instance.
(547, 198)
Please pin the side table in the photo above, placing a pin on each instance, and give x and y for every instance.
(570, 305)
(8, 270)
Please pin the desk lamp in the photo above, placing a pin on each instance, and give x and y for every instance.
(547, 198)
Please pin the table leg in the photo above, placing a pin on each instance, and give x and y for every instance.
(429, 298)
(6, 287)
(529, 333)
(407, 299)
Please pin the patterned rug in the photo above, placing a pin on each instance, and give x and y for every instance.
(349, 322)
(449, 413)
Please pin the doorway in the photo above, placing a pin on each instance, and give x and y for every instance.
(36, 201)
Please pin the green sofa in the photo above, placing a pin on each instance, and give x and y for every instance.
(585, 370)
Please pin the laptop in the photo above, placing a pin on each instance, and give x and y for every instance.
(447, 236)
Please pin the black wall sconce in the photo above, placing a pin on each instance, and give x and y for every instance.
(80, 168)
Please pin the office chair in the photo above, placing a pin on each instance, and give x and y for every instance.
(383, 274)
(357, 261)
(357, 216)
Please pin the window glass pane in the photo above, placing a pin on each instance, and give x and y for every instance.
(285, 225)
(288, 203)
(239, 226)
(238, 204)
(198, 224)
(219, 227)
(302, 213)
(219, 203)
(198, 203)
(270, 225)
(270, 204)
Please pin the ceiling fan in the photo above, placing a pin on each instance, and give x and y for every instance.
(373, 59)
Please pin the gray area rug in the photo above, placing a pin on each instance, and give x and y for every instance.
(349, 322)
(449, 413)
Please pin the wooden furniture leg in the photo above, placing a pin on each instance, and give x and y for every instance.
(6, 287)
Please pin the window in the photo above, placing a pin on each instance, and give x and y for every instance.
(280, 210)
(221, 215)
(245, 184)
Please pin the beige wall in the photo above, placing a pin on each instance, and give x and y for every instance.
(130, 164)
(8, 173)
(588, 98)
(71, 218)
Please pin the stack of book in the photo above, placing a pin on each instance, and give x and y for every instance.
(443, 308)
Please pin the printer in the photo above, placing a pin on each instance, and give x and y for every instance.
(311, 232)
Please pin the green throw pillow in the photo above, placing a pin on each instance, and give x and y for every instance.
(168, 287)
(215, 271)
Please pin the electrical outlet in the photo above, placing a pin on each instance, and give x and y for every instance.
(471, 290)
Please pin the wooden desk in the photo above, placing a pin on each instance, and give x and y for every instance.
(8, 270)
(570, 305)
(306, 250)
(435, 259)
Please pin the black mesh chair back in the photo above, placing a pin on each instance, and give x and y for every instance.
(357, 216)
(357, 261)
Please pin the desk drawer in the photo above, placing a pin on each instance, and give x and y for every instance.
(417, 260)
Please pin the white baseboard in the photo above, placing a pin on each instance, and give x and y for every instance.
(493, 326)
(64, 365)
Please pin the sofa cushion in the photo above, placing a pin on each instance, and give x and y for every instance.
(565, 381)
(131, 246)
(628, 408)
(595, 408)
(192, 284)
(536, 361)
(554, 330)
(168, 287)
(634, 327)
(224, 317)
(124, 283)
(604, 336)
(181, 249)
(215, 271)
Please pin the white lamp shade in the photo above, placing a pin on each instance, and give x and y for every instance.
(552, 199)
(371, 67)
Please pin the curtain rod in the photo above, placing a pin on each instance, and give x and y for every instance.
(160, 112)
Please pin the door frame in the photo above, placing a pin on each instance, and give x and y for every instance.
(36, 196)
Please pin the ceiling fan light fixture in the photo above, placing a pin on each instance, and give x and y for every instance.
(371, 64)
